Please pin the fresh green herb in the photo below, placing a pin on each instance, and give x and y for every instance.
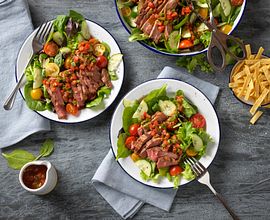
(59, 23)
(181, 23)
(18, 158)
(187, 173)
(205, 38)
(58, 59)
(46, 149)
(191, 63)
(122, 151)
(189, 109)
(137, 34)
(102, 93)
(76, 16)
(184, 134)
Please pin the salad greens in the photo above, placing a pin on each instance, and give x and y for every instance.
(73, 71)
(159, 132)
(18, 158)
(172, 26)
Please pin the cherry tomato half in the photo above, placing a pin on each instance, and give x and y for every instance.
(72, 109)
(184, 44)
(102, 61)
(175, 170)
(198, 121)
(191, 152)
(237, 2)
(129, 140)
(133, 129)
(51, 48)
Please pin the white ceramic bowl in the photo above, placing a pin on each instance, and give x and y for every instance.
(195, 96)
(50, 182)
(129, 29)
(85, 114)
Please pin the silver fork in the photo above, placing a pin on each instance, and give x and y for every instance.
(202, 175)
(37, 44)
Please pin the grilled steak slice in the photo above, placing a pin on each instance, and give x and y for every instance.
(155, 33)
(58, 102)
(149, 144)
(105, 78)
(79, 96)
(168, 31)
(166, 162)
(136, 146)
(159, 116)
(148, 25)
(153, 153)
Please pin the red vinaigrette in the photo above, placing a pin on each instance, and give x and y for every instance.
(34, 176)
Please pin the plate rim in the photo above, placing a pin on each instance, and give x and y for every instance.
(121, 101)
(175, 54)
(65, 122)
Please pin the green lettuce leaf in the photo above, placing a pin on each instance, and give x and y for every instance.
(122, 151)
(188, 173)
(188, 109)
(31, 103)
(136, 35)
(184, 134)
(102, 93)
(60, 23)
(76, 16)
(127, 116)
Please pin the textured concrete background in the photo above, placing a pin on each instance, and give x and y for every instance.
(240, 171)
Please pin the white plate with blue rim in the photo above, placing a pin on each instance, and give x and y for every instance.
(196, 97)
(102, 35)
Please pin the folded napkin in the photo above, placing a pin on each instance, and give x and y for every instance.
(15, 26)
(125, 194)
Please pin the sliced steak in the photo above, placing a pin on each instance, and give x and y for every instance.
(148, 25)
(105, 78)
(159, 116)
(58, 102)
(136, 146)
(170, 6)
(155, 33)
(149, 144)
(153, 153)
(78, 96)
(168, 154)
(168, 31)
(166, 162)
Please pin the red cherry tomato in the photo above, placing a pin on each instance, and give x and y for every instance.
(198, 121)
(133, 129)
(184, 44)
(175, 170)
(129, 140)
(51, 49)
(72, 109)
(237, 2)
(102, 61)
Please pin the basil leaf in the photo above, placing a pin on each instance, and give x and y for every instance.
(76, 16)
(47, 148)
(17, 158)
(122, 151)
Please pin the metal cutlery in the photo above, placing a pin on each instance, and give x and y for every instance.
(37, 44)
(202, 175)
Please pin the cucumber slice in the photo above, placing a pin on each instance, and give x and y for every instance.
(197, 142)
(163, 171)
(37, 78)
(186, 33)
(202, 5)
(113, 64)
(129, 103)
(202, 27)
(145, 166)
(85, 30)
(142, 108)
(167, 107)
(174, 39)
(226, 6)
(58, 38)
(65, 50)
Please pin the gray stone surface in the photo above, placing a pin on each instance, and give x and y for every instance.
(240, 171)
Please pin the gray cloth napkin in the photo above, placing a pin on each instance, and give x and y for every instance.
(125, 194)
(15, 26)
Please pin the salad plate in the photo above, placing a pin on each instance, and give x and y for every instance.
(173, 86)
(171, 28)
(96, 32)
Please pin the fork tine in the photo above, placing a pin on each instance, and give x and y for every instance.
(199, 165)
(38, 31)
(193, 166)
(44, 31)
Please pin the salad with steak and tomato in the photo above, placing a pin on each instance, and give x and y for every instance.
(172, 25)
(73, 71)
(159, 132)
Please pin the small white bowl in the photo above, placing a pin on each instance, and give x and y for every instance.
(50, 181)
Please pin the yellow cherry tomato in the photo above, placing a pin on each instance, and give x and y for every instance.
(191, 152)
(203, 12)
(126, 11)
(36, 94)
(226, 28)
(134, 157)
(52, 69)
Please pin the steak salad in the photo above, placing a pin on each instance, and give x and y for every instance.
(159, 132)
(172, 25)
(73, 71)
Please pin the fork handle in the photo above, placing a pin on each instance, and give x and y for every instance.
(234, 216)
(11, 98)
